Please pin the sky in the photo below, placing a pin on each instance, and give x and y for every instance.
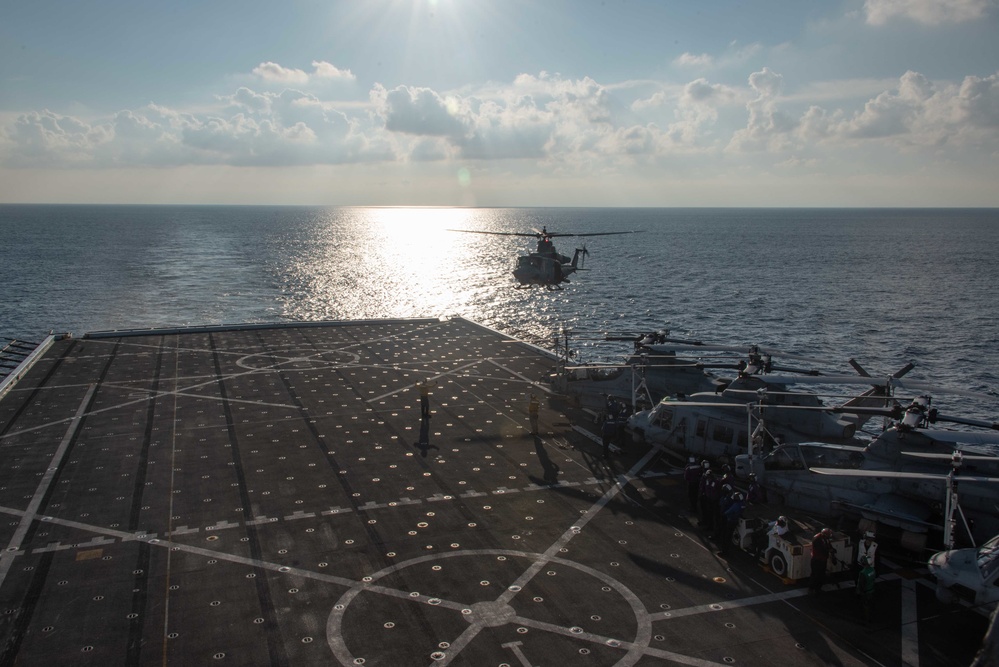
(778, 103)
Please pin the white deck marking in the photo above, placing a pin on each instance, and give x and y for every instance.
(408, 386)
(910, 624)
(515, 647)
(526, 379)
(43, 485)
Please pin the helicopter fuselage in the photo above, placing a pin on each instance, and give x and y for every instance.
(914, 504)
(721, 425)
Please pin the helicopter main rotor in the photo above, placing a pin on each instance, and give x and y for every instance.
(543, 233)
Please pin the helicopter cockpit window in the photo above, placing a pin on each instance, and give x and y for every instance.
(702, 428)
(831, 457)
(664, 419)
(785, 458)
(988, 559)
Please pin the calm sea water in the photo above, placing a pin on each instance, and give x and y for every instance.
(883, 286)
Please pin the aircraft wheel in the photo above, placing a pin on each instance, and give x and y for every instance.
(778, 564)
(734, 538)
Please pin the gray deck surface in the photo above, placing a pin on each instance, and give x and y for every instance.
(260, 496)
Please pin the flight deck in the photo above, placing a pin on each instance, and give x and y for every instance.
(274, 495)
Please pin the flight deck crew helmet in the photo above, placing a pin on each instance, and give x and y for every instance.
(869, 534)
(692, 460)
(827, 532)
(706, 464)
(782, 520)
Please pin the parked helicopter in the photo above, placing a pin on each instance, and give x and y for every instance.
(545, 266)
(970, 574)
(906, 478)
(653, 370)
(760, 411)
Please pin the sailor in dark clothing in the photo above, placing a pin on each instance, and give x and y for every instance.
(822, 552)
(731, 520)
(703, 504)
(755, 494)
(692, 476)
(608, 432)
(712, 490)
(724, 500)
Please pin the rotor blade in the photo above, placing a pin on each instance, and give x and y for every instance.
(968, 422)
(634, 231)
(705, 404)
(895, 474)
(744, 349)
(479, 231)
(950, 457)
(930, 386)
(857, 367)
(963, 437)
(822, 379)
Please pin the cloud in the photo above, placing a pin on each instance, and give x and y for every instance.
(978, 100)
(418, 111)
(916, 113)
(553, 122)
(46, 138)
(768, 128)
(322, 71)
(275, 73)
(927, 12)
(691, 60)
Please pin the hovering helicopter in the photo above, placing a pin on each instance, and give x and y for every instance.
(545, 266)
(898, 480)
(721, 424)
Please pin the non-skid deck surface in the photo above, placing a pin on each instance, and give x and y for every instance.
(259, 496)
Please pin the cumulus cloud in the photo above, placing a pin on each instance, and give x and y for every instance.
(768, 128)
(916, 112)
(44, 138)
(273, 72)
(551, 120)
(322, 70)
(418, 111)
(692, 60)
(928, 12)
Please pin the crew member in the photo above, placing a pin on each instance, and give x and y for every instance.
(755, 494)
(822, 552)
(867, 549)
(763, 540)
(425, 388)
(731, 520)
(865, 587)
(532, 412)
(692, 476)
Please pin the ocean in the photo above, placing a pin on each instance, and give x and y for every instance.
(883, 286)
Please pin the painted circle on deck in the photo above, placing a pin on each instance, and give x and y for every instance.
(297, 359)
(501, 611)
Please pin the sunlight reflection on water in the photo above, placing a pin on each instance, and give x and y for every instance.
(389, 262)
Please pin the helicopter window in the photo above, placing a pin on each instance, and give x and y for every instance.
(702, 428)
(664, 419)
(988, 559)
(785, 458)
(743, 440)
(830, 457)
(723, 433)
